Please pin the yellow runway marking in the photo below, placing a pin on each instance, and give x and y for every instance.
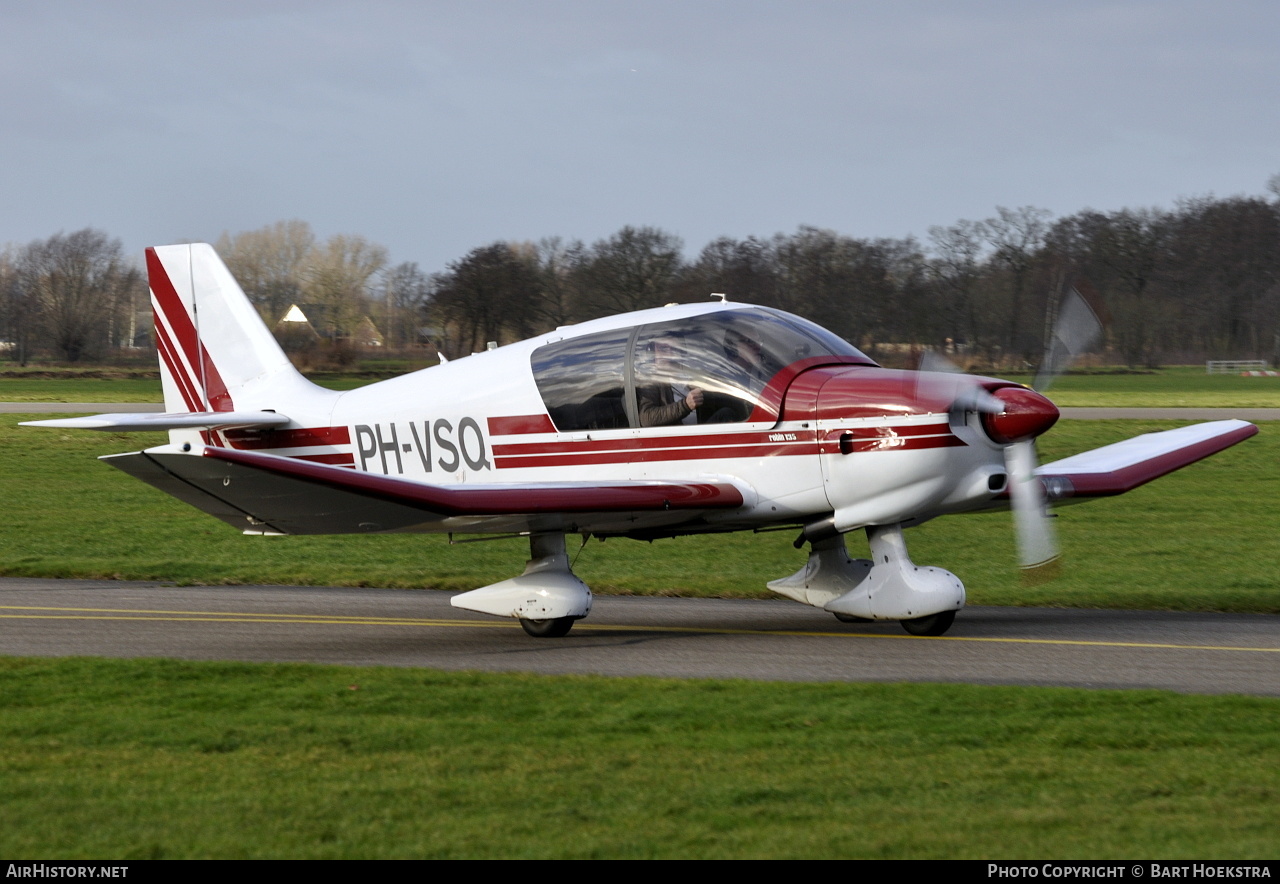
(343, 620)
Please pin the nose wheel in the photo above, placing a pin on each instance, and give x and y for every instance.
(934, 624)
(556, 628)
(889, 586)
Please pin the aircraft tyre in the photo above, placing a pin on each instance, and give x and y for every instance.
(849, 618)
(557, 628)
(934, 624)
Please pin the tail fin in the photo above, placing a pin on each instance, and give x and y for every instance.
(214, 349)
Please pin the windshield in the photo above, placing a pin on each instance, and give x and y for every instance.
(702, 369)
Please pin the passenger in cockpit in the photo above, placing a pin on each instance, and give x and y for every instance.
(748, 370)
(746, 355)
(668, 402)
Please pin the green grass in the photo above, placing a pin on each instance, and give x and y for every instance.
(1204, 538)
(160, 759)
(1170, 388)
(80, 390)
(1183, 387)
(141, 759)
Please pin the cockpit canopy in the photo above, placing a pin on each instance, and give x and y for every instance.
(632, 377)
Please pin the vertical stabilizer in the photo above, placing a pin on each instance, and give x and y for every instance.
(215, 352)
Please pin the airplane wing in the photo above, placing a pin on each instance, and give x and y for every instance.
(269, 494)
(144, 421)
(1115, 469)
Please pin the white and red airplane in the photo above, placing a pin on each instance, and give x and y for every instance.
(685, 419)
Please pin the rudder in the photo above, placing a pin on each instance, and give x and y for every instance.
(212, 344)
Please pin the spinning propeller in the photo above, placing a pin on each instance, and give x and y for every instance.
(1014, 417)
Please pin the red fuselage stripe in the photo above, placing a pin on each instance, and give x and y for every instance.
(883, 432)
(633, 443)
(695, 445)
(776, 449)
(629, 450)
(520, 424)
(889, 443)
(252, 440)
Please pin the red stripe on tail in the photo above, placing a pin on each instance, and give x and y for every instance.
(170, 305)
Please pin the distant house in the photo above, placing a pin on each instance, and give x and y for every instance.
(295, 330)
(302, 324)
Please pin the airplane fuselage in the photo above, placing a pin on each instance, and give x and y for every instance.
(825, 433)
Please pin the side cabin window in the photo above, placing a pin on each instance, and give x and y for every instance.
(642, 376)
(583, 381)
(721, 358)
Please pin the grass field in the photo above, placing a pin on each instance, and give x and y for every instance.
(1170, 388)
(140, 759)
(1182, 387)
(161, 759)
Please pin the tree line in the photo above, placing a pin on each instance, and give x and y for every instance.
(1200, 280)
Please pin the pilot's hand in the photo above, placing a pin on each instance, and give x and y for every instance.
(694, 399)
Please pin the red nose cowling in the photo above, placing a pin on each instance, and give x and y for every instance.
(1026, 415)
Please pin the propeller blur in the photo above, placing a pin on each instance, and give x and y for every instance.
(681, 420)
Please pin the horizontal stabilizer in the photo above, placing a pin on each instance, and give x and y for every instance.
(1115, 469)
(146, 422)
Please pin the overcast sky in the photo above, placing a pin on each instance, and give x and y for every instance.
(436, 127)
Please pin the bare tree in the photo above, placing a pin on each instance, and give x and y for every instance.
(635, 268)
(745, 270)
(339, 277)
(844, 283)
(956, 270)
(493, 289)
(559, 266)
(405, 293)
(1016, 236)
(78, 289)
(269, 264)
(15, 309)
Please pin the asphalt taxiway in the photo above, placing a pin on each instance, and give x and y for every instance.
(758, 639)
(629, 636)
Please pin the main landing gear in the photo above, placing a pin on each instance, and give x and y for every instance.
(547, 598)
(889, 586)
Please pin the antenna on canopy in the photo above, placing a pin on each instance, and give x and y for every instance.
(721, 295)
